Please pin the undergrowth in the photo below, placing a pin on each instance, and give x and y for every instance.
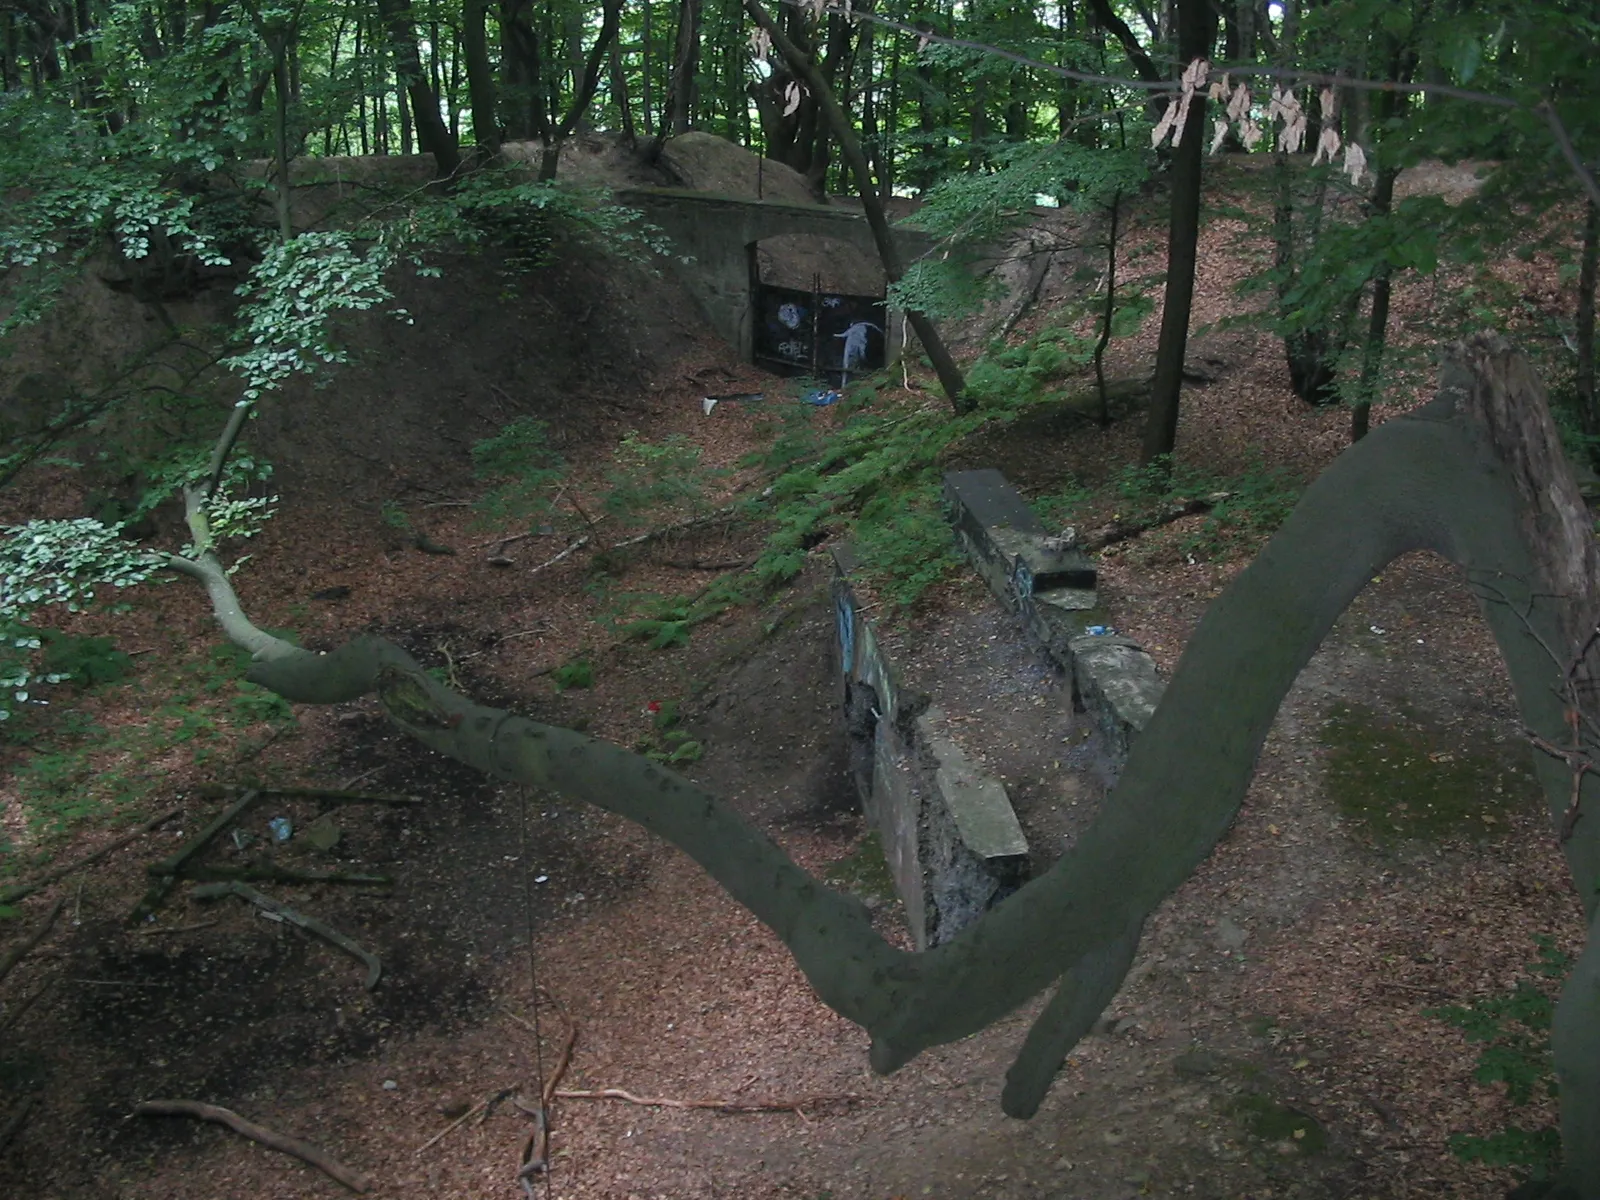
(1249, 505)
(73, 769)
(1513, 1027)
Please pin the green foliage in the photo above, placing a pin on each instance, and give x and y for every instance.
(905, 544)
(666, 743)
(969, 210)
(86, 661)
(574, 673)
(1256, 501)
(1514, 1030)
(1015, 375)
(524, 219)
(657, 481)
(285, 322)
(524, 470)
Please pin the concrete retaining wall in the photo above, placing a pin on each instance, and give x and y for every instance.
(1052, 585)
(951, 839)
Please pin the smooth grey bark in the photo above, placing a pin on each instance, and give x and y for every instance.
(1475, 476)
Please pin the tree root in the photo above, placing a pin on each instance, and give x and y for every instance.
(304, 1151)
(232, 887)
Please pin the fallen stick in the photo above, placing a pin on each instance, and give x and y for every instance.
(722, 1106)
(272, 873)
(232, 887)
(19, 891)
(166, 871)
(1125, 530)
(482, 1106)
(160, 929)
(570, 550)
(18, 952)
(340, 795)
(304, 1151)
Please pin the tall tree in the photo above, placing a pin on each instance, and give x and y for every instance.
(1197, 30)
(433, 135)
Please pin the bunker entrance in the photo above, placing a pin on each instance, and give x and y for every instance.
(817, 309)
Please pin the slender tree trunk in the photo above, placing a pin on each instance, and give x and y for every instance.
(432, 133)
(1196, 30)
(480, 78)
(685, 66)
(1588, 403)
(1378, 321)
(404, 113)
(1389, 103)
(280, 87)
(619, 92)
(944, 366)
(1110, 311)
(646, 100)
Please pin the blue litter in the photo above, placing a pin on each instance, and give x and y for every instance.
(1099, 631)
(822, 397)
(282, 828)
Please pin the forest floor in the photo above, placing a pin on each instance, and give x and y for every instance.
(1273, 1039)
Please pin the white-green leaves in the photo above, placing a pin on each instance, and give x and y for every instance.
(292, 294)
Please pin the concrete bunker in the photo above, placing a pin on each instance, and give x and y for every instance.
(730, 250)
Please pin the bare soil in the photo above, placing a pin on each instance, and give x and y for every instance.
(1271, 1040)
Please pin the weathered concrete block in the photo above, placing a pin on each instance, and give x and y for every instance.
(1007, 543)
(1116, 681)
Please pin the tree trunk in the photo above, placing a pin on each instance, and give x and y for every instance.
(927, 333)
(1588, 403)
(619, 92)
(1196, 30)
(480, 78)
(685, 66)
(1389, 103)
(433, 134)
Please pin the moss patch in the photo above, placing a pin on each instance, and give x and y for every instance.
(865, 872)
(1408, 783)
(1265, 1118)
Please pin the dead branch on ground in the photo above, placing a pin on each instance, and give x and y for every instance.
(304, 1151)
(485, 1106)
(268, 872)
(161, 929)
(282, 912)
(334, 795)
(19, 952)
(722, 1106)
(167, 870)
(18, 891)
(1132, 527)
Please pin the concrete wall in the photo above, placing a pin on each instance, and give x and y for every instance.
(1052, 585)
(951, 839)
